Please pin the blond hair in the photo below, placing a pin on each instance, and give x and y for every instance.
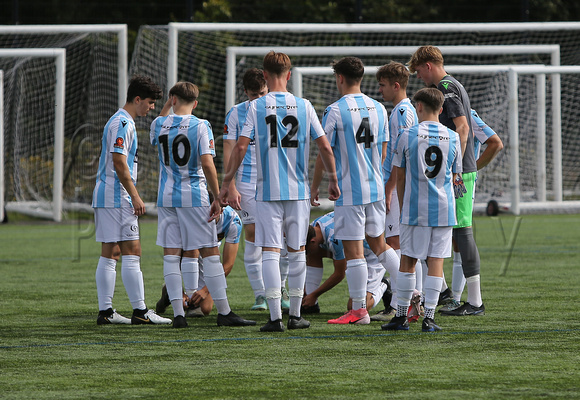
(423, 55)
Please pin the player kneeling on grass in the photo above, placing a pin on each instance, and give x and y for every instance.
(428, 162)
(186, 215)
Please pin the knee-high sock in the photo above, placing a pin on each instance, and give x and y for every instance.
(172, 276)
(296, 280)
(313, 278)
(215, 280)
(457, 279)
(105, 276)
(272, 282)
(405, 288)
(474, 291)
(432, 289)
(190, 273)
(390, 259)
(133, 281)
(357, 275)
(284, 265)
(419, 276)
(253, 264)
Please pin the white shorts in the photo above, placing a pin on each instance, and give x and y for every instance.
(421, 242)
(248, 202)
(116, 225)
(393, 217)
(185, 228)
(289, 217)
(354, 222)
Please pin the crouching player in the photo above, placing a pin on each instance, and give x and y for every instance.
(428, 163)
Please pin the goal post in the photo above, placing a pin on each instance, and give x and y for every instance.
(59, 56)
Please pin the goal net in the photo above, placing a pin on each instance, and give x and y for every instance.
(201, 55)
(96, 81)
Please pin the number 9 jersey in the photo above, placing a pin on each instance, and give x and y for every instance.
(281, 123)
(181, 140)
(430, 153)
(356, 127)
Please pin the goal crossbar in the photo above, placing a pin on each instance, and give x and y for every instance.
(59, 56)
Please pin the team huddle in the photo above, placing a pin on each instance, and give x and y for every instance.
(402, 187)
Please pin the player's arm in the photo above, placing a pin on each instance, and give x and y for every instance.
(166, 107)
(234, 195)
(236, 156)
(494, 146)
(400, 172)
(229, 256)
(390, 188)
(124, 175)
(334, 279)
(316, 179)
(212, 182)
(325, 152)
(462, 128)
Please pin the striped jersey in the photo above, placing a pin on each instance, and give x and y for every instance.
(429, 152)
(235, 120)
(281, 125)
(119, 136)
(181, 140)
(357, 126)
(481, 131)
(402, 117)
(229, 225)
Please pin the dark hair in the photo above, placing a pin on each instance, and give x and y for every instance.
(351, 68)
(277, 63)
(430, 97)
(254, 80)
(185, 91)
(309, 236)
(144, 87)
(394, 72)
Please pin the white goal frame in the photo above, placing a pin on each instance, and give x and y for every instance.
(540, 71)
(1, 145)
(59, 56)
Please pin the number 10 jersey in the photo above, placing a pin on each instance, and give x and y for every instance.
(181, 140)
(282, 125)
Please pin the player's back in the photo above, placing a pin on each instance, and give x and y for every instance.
(181, 140)
(430, 153)
(118, 137)
(235, 120)
(282, 126)
(403, 116)
(356, 126)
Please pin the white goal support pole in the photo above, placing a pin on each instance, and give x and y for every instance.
(513, 71)
(59, 56)
(1, 145)
(122, 47)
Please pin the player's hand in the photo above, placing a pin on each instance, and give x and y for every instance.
(333, 191)
(185, 301)
(215, 210)
(459, 186)
(314, 193)
(309, 300)
(138, 206)
(223, 195)
(198, 297)
(234, 198)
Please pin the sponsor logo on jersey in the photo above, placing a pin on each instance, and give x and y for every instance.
(225, 129)
(401, 111)
(119, 142)
(211, 144)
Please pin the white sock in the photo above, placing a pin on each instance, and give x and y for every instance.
(474, 291)
(284, 265)
(406, 282)
(432, 289)
(105, 276)
(391, 260)
(357, 275)
(253, 264)
(398, 251)
(133, 281)
(215, 280)
(313, 278)
(419, 276)
(190, 273)
(172, 276)
(272, 282)
(457, 279)
(296, 280)
(379, 295)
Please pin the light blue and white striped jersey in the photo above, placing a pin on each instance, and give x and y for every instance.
(229, 225)
(235, 120)
(357, 126)
(402, 117)
(481, 132)
(430, 153)
(282, 126)
(330, 244)
(181, 140)
(119, 136)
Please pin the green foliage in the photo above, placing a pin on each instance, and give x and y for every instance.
(526, 346)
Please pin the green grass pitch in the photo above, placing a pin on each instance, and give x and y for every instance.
(526, 346)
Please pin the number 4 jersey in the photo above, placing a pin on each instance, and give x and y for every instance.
(181, 140)
(430, 153)
(281, 125)
(357, 127)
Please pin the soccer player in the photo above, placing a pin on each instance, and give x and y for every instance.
(118, 205)
(357, 128)
(393, 79)
(427, 62)
(321, 244)
(281, 125)
(428, 161)
(243, 189)
(186, 215)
